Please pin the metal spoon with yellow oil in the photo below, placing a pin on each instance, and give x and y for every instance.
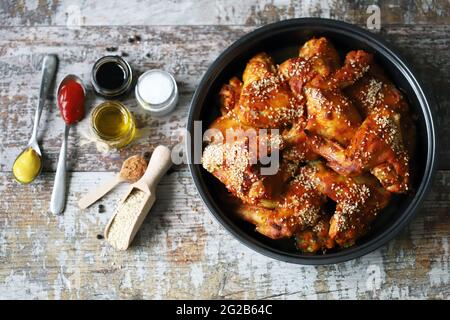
(28, 165)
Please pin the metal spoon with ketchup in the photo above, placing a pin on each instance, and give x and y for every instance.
(71, 95)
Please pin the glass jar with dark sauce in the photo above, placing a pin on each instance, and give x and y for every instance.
(111, 76)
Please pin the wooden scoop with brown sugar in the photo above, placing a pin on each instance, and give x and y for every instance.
(132, 170)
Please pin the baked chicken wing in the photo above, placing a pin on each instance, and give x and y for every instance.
(229, 95)
(265, 100)
(375, 91)
(331, 114)
(317, 57)
(356, 65)
(346, 141)
(299, 208)
(358, 201)
(316, 238)
(300, 211)
(377, 146)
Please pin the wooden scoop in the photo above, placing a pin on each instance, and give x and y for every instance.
(132, 169)
(127, 219)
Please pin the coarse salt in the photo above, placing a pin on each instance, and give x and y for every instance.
(155, 87)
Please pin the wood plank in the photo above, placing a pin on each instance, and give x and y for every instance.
(181, 252)
(222, 12)
(186, 51)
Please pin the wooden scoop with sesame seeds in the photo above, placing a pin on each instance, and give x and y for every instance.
(137, 202)
(132, 170)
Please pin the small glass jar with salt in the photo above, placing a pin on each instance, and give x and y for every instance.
(156, 91)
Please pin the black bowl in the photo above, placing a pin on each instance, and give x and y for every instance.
(282, 40)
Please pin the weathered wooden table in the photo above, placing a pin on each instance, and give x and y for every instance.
(181, 252)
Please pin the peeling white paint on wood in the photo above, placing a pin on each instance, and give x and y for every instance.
(19, 87)
(212, 12)
(165, 261)
(181, 252)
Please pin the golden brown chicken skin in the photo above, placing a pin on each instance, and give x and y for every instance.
(346, 141)
(229, 95)
(299, 212)
(228, 128)
(266, 101)
(331, 115)
(375, 91)
(317, 238)
(317, 57)
(233, 156)
(230, 163)
(356, 65)
(296, 144)
(358, 201)
(299, 208)
(234, 164)
(259, 216)
(324, 49)
(377, 146)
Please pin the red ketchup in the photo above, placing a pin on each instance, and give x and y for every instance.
(71, 102)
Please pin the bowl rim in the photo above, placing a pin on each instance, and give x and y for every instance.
(423, 95)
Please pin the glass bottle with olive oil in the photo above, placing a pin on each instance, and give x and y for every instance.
(113, 124)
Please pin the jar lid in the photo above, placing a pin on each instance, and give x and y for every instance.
(157, 92)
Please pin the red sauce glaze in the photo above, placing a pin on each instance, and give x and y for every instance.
(71, 102)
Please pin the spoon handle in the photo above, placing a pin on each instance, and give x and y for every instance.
(58, 200)
(96, 194)
(49, 65)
